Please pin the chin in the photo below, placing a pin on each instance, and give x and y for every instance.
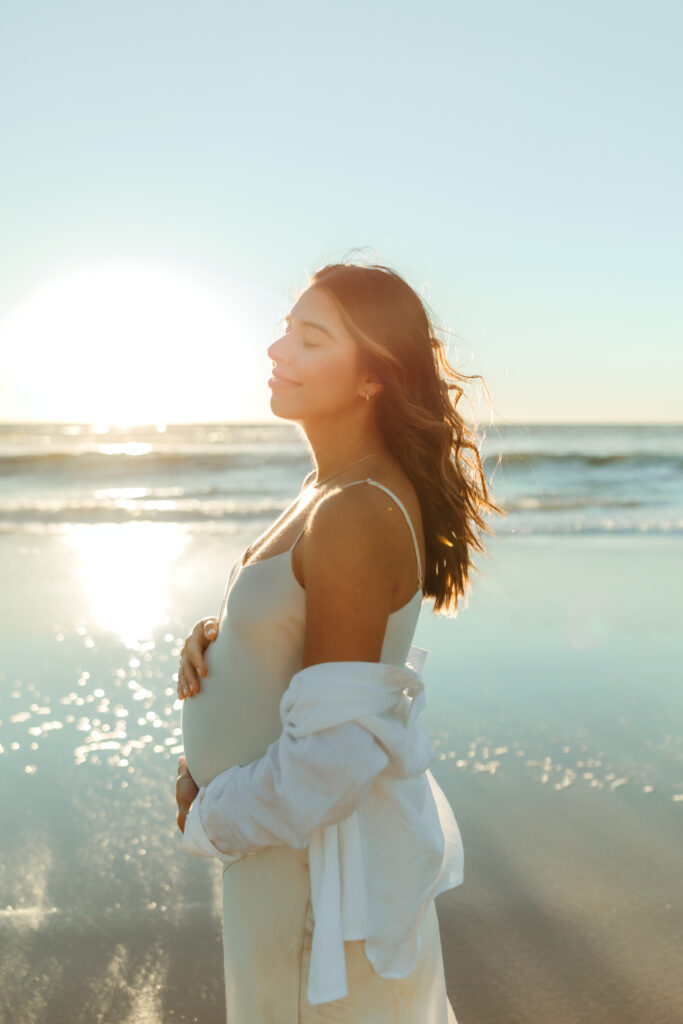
(280, 408)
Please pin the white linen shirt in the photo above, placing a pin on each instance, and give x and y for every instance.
(348, 778)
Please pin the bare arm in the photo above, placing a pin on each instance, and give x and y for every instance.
(349, 571)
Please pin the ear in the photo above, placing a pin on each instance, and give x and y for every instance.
(370, 385)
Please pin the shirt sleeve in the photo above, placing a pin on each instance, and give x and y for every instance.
(279, 799)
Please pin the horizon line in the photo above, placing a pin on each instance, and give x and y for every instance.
(278, 422)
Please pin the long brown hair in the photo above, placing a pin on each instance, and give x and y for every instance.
(418, 420)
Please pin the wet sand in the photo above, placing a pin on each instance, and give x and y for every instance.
(554, 704)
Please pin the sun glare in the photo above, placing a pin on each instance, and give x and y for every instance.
(121, 344)
(125, 571)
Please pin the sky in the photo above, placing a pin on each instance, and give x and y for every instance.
(172, 173)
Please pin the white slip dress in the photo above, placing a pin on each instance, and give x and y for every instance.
(267, 912)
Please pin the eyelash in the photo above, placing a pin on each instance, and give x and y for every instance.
(306, 344)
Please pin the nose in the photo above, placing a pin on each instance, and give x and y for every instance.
(277, 352)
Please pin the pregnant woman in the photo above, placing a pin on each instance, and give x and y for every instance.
(306, 768)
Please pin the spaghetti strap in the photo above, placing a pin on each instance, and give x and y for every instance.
(376, 483)
(294, 543)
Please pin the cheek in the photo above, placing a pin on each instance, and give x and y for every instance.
(331, 377)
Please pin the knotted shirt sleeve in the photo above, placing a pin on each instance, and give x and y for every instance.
(301, 782)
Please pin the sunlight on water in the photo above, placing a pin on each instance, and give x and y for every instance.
(128, 448)
(126, 570)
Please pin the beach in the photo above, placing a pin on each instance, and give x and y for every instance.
(555, 716)
(554, 708)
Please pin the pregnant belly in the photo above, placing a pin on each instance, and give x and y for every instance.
(234, 717)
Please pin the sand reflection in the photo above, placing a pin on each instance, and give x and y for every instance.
(126, 570)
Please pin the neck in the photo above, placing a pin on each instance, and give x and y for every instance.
(335, 445)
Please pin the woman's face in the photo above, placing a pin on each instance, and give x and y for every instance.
(319, 356)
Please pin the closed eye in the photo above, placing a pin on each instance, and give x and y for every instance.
(288, 330)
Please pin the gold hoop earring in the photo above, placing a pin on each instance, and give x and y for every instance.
(367, 395)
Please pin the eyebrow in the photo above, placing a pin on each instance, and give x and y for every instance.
(310, 323)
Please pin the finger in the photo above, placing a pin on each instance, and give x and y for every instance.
(184, 806)
(194, 667)
(194, 664)
(187, 677)
(190, 681)
(185, 791)
(181, 684)
(183, 680)
(196, 656)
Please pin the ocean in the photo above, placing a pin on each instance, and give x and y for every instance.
(553, 702)
(550, 479)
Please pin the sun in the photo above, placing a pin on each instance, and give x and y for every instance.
(123, 343)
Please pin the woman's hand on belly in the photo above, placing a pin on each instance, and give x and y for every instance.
(192, 664)
(186, 790)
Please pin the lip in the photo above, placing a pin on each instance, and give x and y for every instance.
(279, 381)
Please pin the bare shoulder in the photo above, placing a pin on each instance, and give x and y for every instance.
(349, 568)
(354, 511)
(346, 536)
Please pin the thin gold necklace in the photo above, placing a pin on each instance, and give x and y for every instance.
(345, 468)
